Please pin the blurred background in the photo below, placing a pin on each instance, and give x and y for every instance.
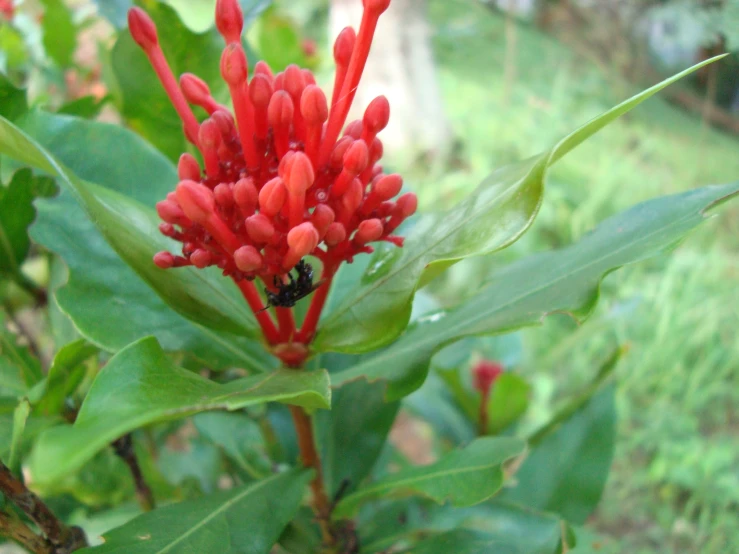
(476, 84)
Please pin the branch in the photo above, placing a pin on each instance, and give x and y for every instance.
(124, 449)
(62, 538)
(19, 532)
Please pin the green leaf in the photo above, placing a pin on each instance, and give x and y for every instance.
(465, 541)
(493, 217)
(144, 103)
(463, 477)
(20, 417)
(13, 101)
(131, 228)
(87, 107)
(65, 374)
(567, 471)
(17, 363)
(279, 41)
(526, 292)
(60, 33)
(141, 386)
(508, 401)
(248, 519)
(353, 433)
(16, 214)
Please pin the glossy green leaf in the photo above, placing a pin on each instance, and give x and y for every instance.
(526, 292)
(462, 477)
(353, 433)
(19, 366)
(465, 541)
(141, 386)
(87, 107)
(16, 214)
(130, 227)
(65, 375)
(567, 471)
(60, 33)
(245, 520)
(20, 417)
(13, 101)
(494, 216)
(144, 104)
(508, 401)
(279, 41)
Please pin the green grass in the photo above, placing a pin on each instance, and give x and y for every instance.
(674, 486)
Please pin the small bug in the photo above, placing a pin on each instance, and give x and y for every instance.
(288, 294)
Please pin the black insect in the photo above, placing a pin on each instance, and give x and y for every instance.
(288, 294)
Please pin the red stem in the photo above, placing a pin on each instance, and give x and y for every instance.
(287, 324)
(483, 423)
(255, 303)
(308, 330)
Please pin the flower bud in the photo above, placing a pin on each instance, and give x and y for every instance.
(313, 105)
(294, 82)
(248, 259)
(188, 168)
(262, 68)
(142, 29)
(377, 115)
(322, 217)
(229, 20)
(302, 239)
(335, 234)
(344, 46)
(196, 201)
(225, 122)
(356, 158)
(210, 135)
(388, 186)
(354, 129)
(337, 156)
(407, 204)
(170, 212)
(260, 91)
(485, 373)
(245, 194)
(223, 195)
(369, 231)
(234, 67)
(272, 197)
(201, 258)
(352, 198)
(165, 260)
(376, 7)
(299, 174)
(196, 90)
(281, 109)
(259, 228)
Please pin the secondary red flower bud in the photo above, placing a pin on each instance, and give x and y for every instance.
(260, 91)
(388, 186)
(170, 212)
(299, 174)
(313, 105)
(142, 29)
(195, 89)
(335, 234)
(322, 217)
(337, 156)
(302, 240)
(229, 20)
(354, 129)
(369, 230)
(407, 204)
(245, 194)
(234, 67)
(201, 258)
(272, 197)
(196, 201)
(485, 373)
(210, 135)
(344, 46)
(188, 168)
(356, 158)
(165, 260)
(259, 228)
(294, 82)
(223, 195)
(248, 259)
(262, 68)
(377, 115)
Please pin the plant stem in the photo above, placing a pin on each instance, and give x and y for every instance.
(287, 324)
(483, 423)
(311, 459)
(251, 295)
(308, 330)
(62, 538)
(38, 293)
(19, 532)
(124, 449)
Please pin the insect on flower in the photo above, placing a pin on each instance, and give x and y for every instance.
(288, 294)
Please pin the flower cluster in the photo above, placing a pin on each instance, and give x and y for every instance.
(280, 180)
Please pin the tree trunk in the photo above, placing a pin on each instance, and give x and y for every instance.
(401, 67)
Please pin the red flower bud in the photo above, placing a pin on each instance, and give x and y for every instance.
(299, 174)
(248, 259)
(344, 46)
(260, 91)
(234, 67)
(407, 204)
(142, 29)
(195, 89)
(377, 115)
(196, 201)
(376, 7)
(210, 135)
(223, 195)
(313, 105)
(388, 186)
(351, 199)
(294, 82)
(229, 20)
(335, 234)
(302, 239)
(272, 197)
(225, 122)
(322, 217)
(485, 373)
(188, 168)
(201, 258)
(354, 129)
(262, 68)
(369, 231)
(337, 156)
(245, 194)
(165, 260)
(259, 228)
(170, 212)
(281, 109)
(356, 158)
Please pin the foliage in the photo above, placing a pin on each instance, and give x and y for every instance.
(164, 384)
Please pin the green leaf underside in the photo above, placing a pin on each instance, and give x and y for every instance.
(245, 520)
(497, 213)
(205, 297)
(60, 381)
(462, 477)
(526, 292)
(567, 472)
(141, 386)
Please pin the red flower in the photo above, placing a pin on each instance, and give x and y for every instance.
(7, 9)
(278, 183)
